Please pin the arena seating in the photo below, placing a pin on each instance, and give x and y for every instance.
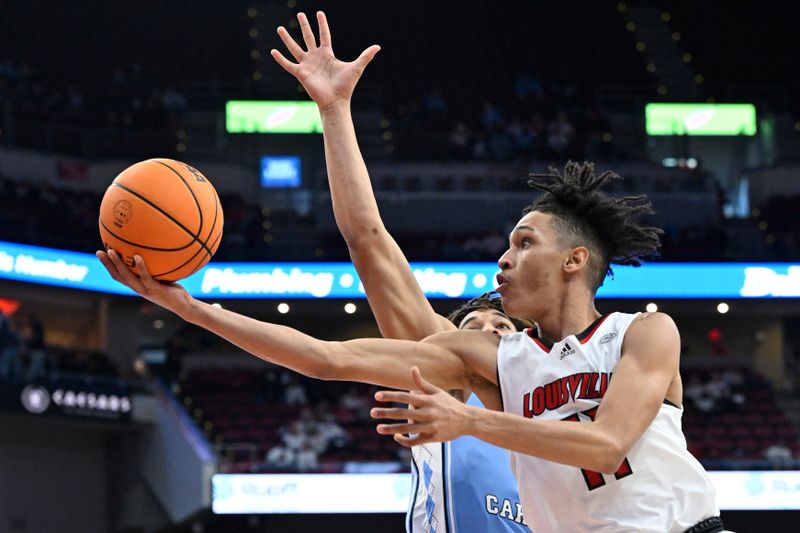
(735, 429)
(243, 412)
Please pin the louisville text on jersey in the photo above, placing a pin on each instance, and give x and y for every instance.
(583, 385)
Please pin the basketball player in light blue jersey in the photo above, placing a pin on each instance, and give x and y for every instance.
(459, 486)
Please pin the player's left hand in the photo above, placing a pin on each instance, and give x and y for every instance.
(433, 416)
(326, 79)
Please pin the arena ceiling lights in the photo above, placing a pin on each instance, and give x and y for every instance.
(700, 119)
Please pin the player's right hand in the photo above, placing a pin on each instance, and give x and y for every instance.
(168, 295)
(327, 80)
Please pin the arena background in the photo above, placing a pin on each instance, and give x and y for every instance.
(116, 416)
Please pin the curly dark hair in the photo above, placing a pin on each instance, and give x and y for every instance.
(584, 216)
(489, 300)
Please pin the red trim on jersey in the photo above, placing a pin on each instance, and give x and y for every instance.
(544, 347)
(597, 324)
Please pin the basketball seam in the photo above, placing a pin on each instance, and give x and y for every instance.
(195, 269)
(200, 264)
(179, 266)
(217, 208)
(154, 206)
(191, 191)
(143, 245)
(156, 276)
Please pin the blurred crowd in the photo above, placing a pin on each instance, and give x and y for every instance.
(127, 114)
(25, 357)
(27, 216)
(129, 100)
(535, 120)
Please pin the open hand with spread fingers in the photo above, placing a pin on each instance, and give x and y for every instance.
(168, 295)
(327, 80)
(433, 414)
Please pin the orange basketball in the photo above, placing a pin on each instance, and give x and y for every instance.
(165, 211)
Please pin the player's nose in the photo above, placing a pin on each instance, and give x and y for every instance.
(505, 261)
(490, 329)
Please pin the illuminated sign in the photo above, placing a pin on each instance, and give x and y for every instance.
(438, 280)
(310, 493)
(388, 493)
(280, 171)
(272, 116)
(756, 490)
(700, 119)
(69, 397)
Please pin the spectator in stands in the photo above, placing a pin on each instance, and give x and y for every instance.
(559, 134)
(353, 400)
(33, 333)
(272, 391)
(307, 458)
(295, 393)
(293, 437)
(10, 350)
(779, 456)
(492, 116)
(281, 457)
(706, 405)
(694, 389)
(734, 378)
(459, 140)
(719, 391)
(332, 435)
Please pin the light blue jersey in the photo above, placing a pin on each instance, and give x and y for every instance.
(463, 486)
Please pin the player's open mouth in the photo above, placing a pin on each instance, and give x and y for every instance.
(502, 283)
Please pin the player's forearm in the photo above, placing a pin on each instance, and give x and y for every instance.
(273, 343)
(581, 444)
(354, 205)
(378, 361)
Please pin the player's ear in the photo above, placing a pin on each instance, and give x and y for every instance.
(576, 260)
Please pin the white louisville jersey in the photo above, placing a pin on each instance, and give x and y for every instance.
(658, 488)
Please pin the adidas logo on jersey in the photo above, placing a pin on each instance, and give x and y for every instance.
(566, 350)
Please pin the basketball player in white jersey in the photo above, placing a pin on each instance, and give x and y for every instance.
(624, 467)
(463, 485)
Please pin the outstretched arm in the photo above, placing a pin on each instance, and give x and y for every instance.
(644, 377)
(378, 361)
(398, 303)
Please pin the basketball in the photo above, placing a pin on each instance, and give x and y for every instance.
(165, 211)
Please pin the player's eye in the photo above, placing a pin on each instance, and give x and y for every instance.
(502, 325)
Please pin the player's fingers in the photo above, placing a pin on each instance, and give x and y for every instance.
(421, 383)
(110, 266)
(397, 396)
(287, 65)
(401, 429)
(366, 56)
(398, 413)
(141, 268)
(126, 277)
(324, 30)
(416, 440)
(291, 44)
(308, 35)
